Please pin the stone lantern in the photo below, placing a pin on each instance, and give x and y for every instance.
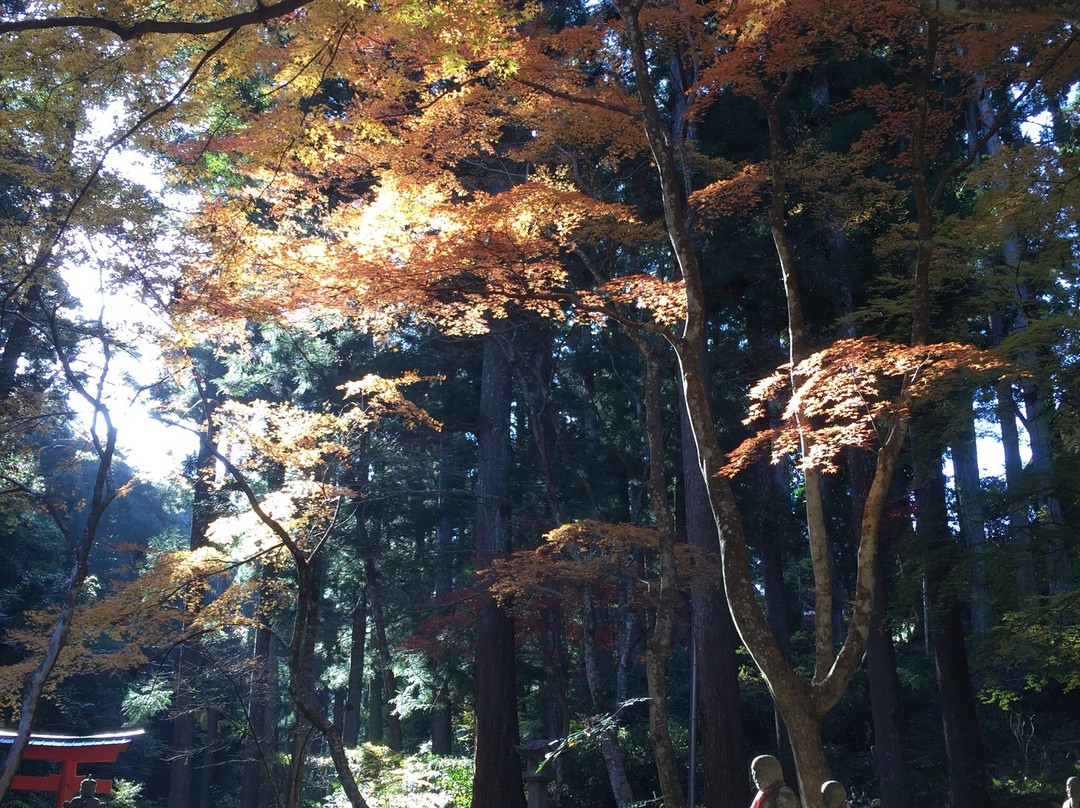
(534, 753)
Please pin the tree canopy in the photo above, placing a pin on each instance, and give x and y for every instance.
(532, 347)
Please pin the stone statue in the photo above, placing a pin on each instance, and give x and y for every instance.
(1072, 791)
(773, 792)
(834, 794)
(85, 798)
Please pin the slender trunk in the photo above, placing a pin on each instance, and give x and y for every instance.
(206, 776)
(970, 516)
(798, 351)
(609, 741)
(659, 643)
(774, 480)
(302, 673)
(350, 730)
(1019, 520)
(375, 709)
(497, 779)
(442, 736)
(884, 683)
(1049, 514)
(258, 749)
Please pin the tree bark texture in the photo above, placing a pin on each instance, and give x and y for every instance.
(802, 704)
(1019, 518)
(970, 516)
(659, 643)
(723, 746)
(963, 745)
(257, 774)
(350, 728)
(884, 682)
(497, 779)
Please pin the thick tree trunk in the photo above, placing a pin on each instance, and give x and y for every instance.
(269, 793)
(374, 733)
(182, 744)
(963, 746)
(723, 747)
(497, 779)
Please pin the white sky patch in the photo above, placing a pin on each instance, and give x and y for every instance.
(153, 448)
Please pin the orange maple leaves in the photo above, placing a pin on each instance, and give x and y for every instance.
(841, 401)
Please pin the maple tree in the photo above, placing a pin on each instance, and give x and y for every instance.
(398, 166)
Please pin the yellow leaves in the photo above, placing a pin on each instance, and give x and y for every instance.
(841, 397)
(381, 396)
(734, 194)
(664, 301)
(117, 626)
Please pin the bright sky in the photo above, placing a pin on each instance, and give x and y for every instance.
(154, 449)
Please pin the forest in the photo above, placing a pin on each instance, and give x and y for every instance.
(587, 397)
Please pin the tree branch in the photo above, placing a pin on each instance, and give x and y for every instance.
(125, 33)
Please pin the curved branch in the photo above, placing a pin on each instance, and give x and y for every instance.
(579, 99)
(260, 14)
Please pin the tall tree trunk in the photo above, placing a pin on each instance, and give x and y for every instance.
(182, 743)
(269, 793)
(884, 683)
(384, 664)
(970, 516)
(302, 675)
(609, 739)
(350, 728)
(497, 779)
(798, 350)
(1019, 520)
(723, 747)
(659, 642)
(375, 709)
(963, 745)
(442, 735)
(257, 772)
(775, 481)
(209, 762)
(1050, 517)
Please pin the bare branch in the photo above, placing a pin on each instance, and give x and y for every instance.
(260, 14)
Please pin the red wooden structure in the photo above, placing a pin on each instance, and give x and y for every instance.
(69, 751)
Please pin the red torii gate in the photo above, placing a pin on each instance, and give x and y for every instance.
(69, 751)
